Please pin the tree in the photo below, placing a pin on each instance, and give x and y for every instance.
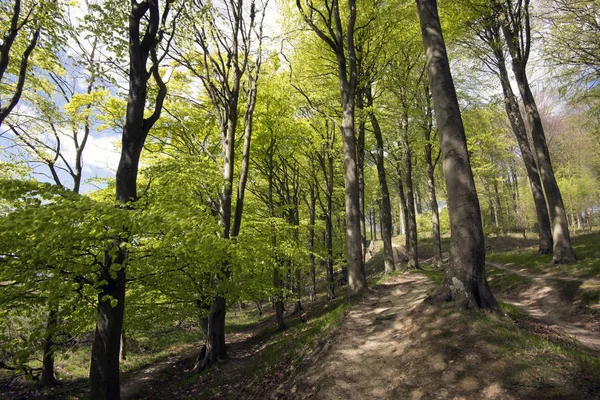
(572, 42)
(22, 23)
(146, 30)
(489, 34)
(222, 61)
(465, 280)
(330, 29)
(516, 28)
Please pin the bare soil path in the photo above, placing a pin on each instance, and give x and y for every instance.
(545, 301)
(381, 352)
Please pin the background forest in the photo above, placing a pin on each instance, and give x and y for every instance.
(170, 168)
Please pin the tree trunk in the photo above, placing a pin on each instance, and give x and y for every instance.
(104, 370)
(123, 349)
(360, 162)
(412, 248)
(465, 280)
(518, 47)
(518, 126)
(403, 208)
(386, 206)
(311, 244)
(433, 204)
(48, 377)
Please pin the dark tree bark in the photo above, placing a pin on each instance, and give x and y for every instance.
(386, 206)
(517, 33)
(411, 231)
(104, 369)
(48, 377)
(16, 27)
(465, 280)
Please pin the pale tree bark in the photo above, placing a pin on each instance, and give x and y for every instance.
(386, 206)
(325, 159)
(311, 241)
(465, 282)
(517, 33)
(226, 42)
(340, 42)
(104, 368)
(490, 35)
(412, 249)
(433, 204)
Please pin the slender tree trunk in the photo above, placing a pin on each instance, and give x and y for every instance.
(518, 47)
(360, 162)
(520, 132)
(329, 244)
(311, 244)
(403, 208)
(386, 206)
(412, 249)
(48, 377)
(433, 204)
(465, 281)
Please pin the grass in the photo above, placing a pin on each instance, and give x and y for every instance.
(505, 281)
(585, 247)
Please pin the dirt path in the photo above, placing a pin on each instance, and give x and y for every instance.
(543, 301)
(137, 381)
(379, 353)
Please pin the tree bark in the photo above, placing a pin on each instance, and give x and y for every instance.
(433, 204)
(412, 248)
(491, 36)
(104, 368)
(517, 35)
(48, 378)
(465, 280)
(311, 243)
(386, 206)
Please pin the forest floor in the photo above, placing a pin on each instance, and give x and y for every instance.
(391, 344)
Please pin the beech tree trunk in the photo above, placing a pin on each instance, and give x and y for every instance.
(48, 378)
(491, 36)
(433, 204)
(104, 367)
(465, 280)
(341, 41)
(386, 206)
(311, 243)
(412, 248)
(403, 208)
(516, 30)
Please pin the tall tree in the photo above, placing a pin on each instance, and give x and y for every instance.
(489, 34)
(329, 27)
(516, 28)
(226, 41)
(145, 32)
(465, 280)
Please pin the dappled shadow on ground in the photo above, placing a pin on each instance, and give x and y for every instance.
(242, 374)
(553, 300)
(390, 346)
